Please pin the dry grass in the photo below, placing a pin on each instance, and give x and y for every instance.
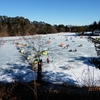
(46, 91)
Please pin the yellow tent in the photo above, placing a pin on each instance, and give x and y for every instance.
(35, 61)
(22, 51)
(29, 57)
(44, 53)
(25, 44)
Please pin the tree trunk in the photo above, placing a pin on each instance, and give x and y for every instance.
(39, 73)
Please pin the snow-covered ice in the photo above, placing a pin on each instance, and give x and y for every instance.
(70, 67)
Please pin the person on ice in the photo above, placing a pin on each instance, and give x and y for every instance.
(67, 45)
(52, 59)
(70, 50)
(75, 50)
(48, 60)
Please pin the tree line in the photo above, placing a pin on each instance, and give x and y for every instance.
(20, 26)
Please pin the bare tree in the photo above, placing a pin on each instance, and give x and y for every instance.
(38, 44)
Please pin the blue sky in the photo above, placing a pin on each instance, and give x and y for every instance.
(67, 12)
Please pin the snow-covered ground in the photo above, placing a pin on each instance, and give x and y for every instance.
(70, 67)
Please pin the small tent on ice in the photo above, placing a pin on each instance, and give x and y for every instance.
(44, 52)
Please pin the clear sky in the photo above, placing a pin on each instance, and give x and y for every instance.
(67, 12)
